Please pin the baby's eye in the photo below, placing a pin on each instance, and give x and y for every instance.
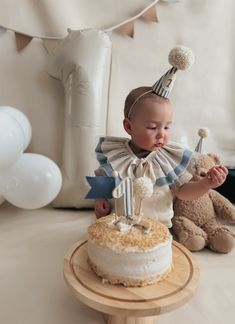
(167, 127)
(152, 127)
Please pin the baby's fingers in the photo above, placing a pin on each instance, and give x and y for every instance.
(223, 169)
(218, 170)
(218, 175)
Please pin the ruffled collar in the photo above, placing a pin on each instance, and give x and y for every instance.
(163, 167)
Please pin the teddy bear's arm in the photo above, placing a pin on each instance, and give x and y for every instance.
(223, 207)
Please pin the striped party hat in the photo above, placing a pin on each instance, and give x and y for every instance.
(203, 133)
(181, 58)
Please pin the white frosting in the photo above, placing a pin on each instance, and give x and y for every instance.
(132, 264)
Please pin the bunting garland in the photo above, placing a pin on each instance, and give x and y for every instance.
(151, 15)
(22, 41)
(125, 27)
(50, 44)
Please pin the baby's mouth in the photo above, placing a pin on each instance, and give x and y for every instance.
(158, 145)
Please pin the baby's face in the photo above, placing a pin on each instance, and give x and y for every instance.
(150, 124)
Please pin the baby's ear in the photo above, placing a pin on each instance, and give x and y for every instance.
(127, 125)
(215, 158)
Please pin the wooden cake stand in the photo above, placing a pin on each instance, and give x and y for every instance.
(138, 305)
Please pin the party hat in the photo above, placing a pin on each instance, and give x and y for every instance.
(203, 133)
(181, 58)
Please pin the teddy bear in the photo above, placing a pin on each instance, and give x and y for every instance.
(196, 223)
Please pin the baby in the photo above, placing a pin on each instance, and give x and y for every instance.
(147, 119)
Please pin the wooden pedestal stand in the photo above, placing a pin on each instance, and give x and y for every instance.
(122, 305)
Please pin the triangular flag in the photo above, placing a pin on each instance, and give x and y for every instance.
(127, 29)
(50, 44)
(22, 41)
(151, 14)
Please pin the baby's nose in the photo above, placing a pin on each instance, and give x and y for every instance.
(160, 133)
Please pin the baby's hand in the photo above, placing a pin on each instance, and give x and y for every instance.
(216, 176)
(102, 207)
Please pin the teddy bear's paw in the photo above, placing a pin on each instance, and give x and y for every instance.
(193, 243)
(222, 241)
(231, 221)
(228, 213)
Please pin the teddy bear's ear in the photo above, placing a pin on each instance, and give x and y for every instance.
(214, 157)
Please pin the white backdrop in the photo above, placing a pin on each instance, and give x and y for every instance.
(203, 96)
(33, 243)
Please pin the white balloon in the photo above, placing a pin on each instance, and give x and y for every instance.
(32, 182)
(11, 141)
(22, 120)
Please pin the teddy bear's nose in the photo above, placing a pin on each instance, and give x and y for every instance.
(203, 174)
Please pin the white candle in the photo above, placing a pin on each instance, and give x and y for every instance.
(125, 190)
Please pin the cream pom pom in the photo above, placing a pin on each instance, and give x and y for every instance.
(203, 132)
(143, 187)
(181, 57)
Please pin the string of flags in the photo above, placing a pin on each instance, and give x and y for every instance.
(126, 27)
(22, 41)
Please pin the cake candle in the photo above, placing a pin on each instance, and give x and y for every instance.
(125, 190)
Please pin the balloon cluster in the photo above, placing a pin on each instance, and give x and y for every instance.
(27, 180)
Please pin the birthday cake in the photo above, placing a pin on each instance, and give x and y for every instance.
(130, 249)
(135, 256)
